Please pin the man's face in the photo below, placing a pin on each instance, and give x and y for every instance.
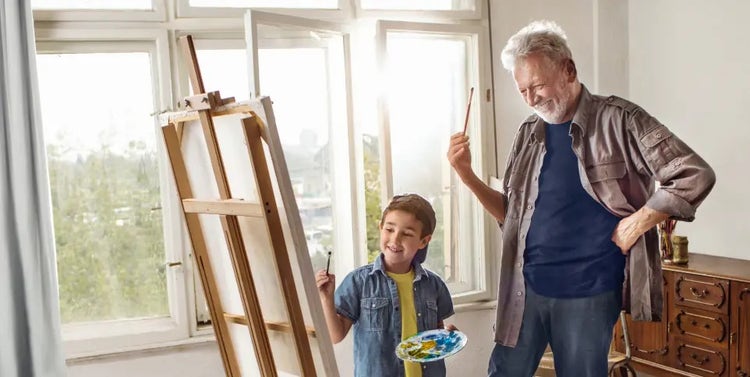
(546, 87)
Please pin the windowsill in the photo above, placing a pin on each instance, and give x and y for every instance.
(475, 306)
(206, 338)
(128, 352)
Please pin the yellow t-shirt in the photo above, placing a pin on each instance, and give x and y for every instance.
(405, 286)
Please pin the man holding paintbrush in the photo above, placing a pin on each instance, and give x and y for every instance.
(578, 211)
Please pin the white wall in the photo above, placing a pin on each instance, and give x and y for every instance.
(690, 68)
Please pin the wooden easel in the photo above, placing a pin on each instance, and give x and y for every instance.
(209, 105)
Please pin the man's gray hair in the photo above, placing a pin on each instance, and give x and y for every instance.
(544, 37)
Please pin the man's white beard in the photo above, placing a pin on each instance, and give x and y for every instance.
(558, 111)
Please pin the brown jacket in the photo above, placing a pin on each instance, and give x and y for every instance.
(622, 151)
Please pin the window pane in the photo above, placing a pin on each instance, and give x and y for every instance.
(225, 71)
(305, 4)
(91, 4)
(418, 4)
(101, 150)
(303, 123)
(426, 94)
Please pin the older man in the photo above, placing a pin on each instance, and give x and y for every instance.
(578, 211)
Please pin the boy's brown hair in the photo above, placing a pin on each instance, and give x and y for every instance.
(417, 206)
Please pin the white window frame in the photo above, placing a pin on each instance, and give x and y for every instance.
(479, 76)
(343, 11)
(407, 14)
(157, 13)
(82, 339)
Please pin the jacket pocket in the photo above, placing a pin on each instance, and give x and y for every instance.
(603, 172)
(658, 149)
(431, 314)
(375, 311)
(604, 179)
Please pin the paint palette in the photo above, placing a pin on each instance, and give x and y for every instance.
(431, 345)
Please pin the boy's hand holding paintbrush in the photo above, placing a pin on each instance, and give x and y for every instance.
(325, 281)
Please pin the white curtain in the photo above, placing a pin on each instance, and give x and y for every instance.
(30, 343)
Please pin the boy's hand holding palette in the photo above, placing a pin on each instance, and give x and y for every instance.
(431, 345)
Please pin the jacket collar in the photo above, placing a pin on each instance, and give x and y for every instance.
(379, 265)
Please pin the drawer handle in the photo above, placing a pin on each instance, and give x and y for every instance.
(700, 362)
(697, 293)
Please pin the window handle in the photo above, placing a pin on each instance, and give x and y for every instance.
(173, 264)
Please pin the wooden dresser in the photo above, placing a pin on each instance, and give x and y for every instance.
(705, 330)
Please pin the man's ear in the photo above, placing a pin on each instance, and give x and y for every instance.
(570, 69)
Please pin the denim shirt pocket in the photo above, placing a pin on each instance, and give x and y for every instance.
(431, 314)
(375, 313)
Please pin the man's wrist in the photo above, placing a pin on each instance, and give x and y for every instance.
(648, 218)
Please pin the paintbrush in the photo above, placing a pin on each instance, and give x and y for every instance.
(328, 263)
(468, 108)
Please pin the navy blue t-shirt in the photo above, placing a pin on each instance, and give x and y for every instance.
(569, 249)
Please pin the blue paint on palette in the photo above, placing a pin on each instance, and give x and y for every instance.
(431, 345)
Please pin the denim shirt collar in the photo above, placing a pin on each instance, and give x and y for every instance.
(379, 265)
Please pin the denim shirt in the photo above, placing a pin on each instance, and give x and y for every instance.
(369, 298)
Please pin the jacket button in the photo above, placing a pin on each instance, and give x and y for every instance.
(519, 293)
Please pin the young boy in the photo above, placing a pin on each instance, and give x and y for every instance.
(393, 298)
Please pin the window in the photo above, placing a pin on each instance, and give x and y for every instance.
(299, 4)
(312, 114)
(105, 179)
(224, 69)
(97, 10)
(421, 9)
(319, 9)
(91, 4)
(102, 83)
(418, 4)
(428, 71)
(106, 184)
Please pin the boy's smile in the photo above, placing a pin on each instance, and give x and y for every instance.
(400, 239)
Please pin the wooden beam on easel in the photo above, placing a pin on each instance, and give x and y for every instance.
(284, 268)
(228, 357)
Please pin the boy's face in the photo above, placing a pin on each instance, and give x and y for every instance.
(400, 238)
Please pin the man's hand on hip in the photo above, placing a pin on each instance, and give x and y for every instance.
(630, 228)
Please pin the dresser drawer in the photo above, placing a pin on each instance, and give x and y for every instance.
(699, 326)
(702, 292)
(700, 359)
